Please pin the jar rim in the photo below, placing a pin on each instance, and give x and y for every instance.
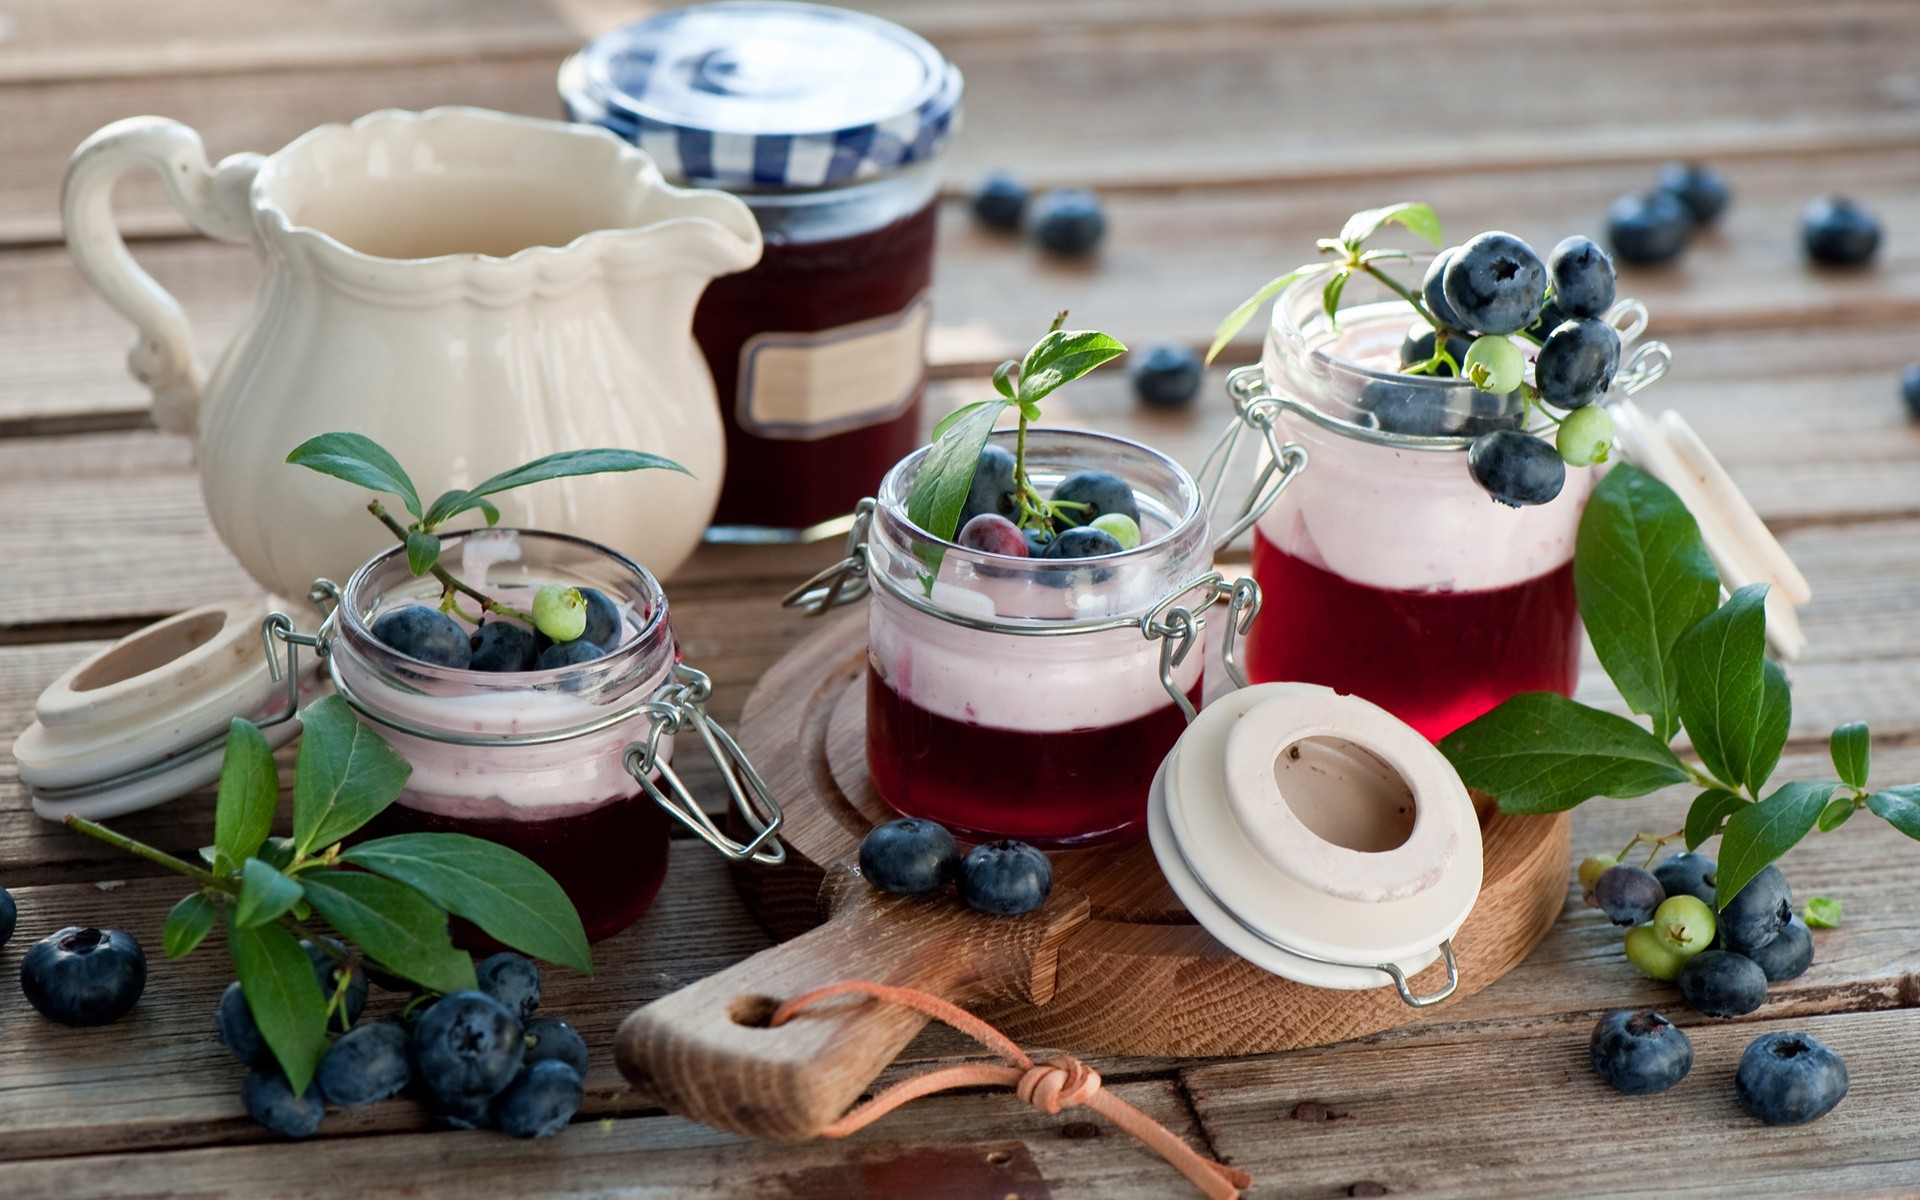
(1285, 325)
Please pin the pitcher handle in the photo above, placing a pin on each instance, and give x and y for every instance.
(213, 199)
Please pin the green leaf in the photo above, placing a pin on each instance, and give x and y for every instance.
(276, 976)
(277, 852)
(1898, 807)
(1709, 810)
(423, 550)
(946, 473)
(551, 466)
(951, 419)
(503, 892)
(1822, 912)
(344, 776)
(1330, 297)
(188, 924)
(1362, 225)
(1541, 752)
(1776, 717)
(1238, 318)
(1852, 750)
(264, 894)
(1835, 814)
(1760, 833)
(359, 459)
(1001, 383)
(1061, 357)
(1727, 703)
(1643, 578)
(249, 795)
(395, 925)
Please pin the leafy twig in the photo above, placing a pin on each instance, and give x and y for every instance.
(178, 866)
(446, 577)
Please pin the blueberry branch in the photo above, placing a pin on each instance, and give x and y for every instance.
(179, 866)
(446, 578)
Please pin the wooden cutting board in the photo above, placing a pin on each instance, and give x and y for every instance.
(1111, 964)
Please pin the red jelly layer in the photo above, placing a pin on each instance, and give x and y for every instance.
(1434, 659)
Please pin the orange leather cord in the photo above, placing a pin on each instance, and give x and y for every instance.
(1061, 1083)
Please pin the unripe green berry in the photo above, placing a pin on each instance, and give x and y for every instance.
(559, 612)
(1494, 364)
(1684, 924)
(1121, 527)
(1653, 957)
(1586, 436)
(1593, 867)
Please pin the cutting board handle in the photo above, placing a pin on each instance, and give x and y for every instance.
(708, 1052)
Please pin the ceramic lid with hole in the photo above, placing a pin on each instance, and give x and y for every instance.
(1316, 835)
(145, 720)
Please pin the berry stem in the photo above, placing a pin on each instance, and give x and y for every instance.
(179, 866)
(447, 581)
(1394, 286)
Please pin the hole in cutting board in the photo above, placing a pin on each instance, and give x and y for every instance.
(151, 651)
(753, 1011)
(1345, 794)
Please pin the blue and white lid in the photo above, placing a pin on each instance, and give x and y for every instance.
(768, 94)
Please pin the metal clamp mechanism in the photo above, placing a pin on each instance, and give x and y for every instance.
(1253, 408)
(1399, 978)
(675, 708)
(844, 581)
(1179, 627)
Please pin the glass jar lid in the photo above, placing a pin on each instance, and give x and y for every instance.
(768, 94)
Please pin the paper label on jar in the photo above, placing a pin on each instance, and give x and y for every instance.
(804, 386)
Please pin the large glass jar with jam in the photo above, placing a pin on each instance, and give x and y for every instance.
(828, 124)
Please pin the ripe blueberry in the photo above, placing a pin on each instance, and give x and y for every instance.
(1414, 409)
(539, 1102)
(1037, 541)
(1496, 283)
(1591, 869)
(549, 1038)
(271, 1102)
(1417, 347)
(1910, 388)
(365, 1065)
(1757, 914)
(1788, 955)
(512, 980)
(603, 618)
(1789, 1079)
(991, 533)
(1000, 201)
(1084, 543)
(1628, 894)
(1068, 221)
(467, 1047)
(326, 972)
(1687, 874)
(503, 646)
(1648, 229)
(1583, 277)
(1094, 494)
(909, 856)
(1577, 362)
(1551, 318)
(1639, 1053)
(1839, 232)
(567, 654)
(1433, 291)
(426, 634)
(1166, 376)
(1702, 189)
(1005, 878)
(992, 487)
(239, 1033)
(1516, 468)
(1721, 983)
(84, 976)
(9, 916)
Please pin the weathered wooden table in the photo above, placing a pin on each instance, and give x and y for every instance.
(1225, 135)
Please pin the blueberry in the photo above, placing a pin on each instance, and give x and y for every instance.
(1702, 189)
(1628, 894)
(539, 1102)
(991, 533)
(326, 969)
(9, 916)
(1100, 492)
(1639, 1053)
(366, 1065)
(1720, 983)
(426, 634)
(1516, 468)
(503, 646)
(1433, 291)
(1910, 388)
(911, 856)
(512, 980)
(568, 654)
(1648, 229)
(1788, 955)
(1417, 347)
(1550, 318)
(239, 1033)
(603, 618)
(1068, 221)
(548, 1038)
(1489, 411)
(1586, 436)
(467, 1112)
(1687, 874)
(1005, 878)
(1577, 362)
(1757, 914)
(992, 487)
(1583, 277)
(1037, 541)
(1496, 283)
(1414, 409)
(1000, 201)
(467, 1047)
(1839, 232)
(84, 976)
(1685, 924)
(271, 1102)
(1653, 957)
(1790, 1078)
(1589, 872)
(1084, 543)
(1166, 376)
(382, 978)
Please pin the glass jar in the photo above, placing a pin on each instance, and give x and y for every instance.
(1035, 698)
(826, 123)
(1386, 571)
(572, 766)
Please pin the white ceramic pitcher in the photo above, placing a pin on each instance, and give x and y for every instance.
(470, 289)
